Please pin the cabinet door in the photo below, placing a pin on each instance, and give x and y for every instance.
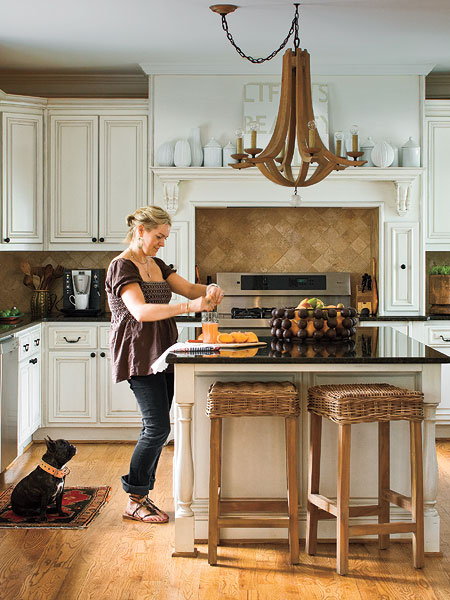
(176, 251)
(72, 387)
(122, 173)
(438, 181)
(22, 175)
(73, 179)
(35, 393)
(117, 401)
(402, 267)
(24, 416)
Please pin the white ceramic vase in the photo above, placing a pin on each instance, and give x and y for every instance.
(212, 153)
(367, 148)
(182, 155)
(164, 155)
(196, 147)
(228, 150)
(382, 155)
(410, 154)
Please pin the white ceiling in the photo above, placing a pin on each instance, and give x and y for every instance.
(373, 36)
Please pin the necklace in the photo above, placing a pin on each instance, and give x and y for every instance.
(145, 263)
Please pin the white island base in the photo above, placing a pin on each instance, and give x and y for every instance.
(254, 450)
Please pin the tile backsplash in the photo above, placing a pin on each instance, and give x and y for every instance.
(310, 239)
(14, 293)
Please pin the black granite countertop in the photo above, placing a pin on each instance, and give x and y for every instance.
(369, 345)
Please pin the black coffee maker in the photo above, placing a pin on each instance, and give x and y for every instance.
(83, 292)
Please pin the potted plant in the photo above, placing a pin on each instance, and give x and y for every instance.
(439, 290)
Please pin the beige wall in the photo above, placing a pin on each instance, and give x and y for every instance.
(286, 239)
(12, 290)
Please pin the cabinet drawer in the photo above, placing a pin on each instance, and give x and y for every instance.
(439, 336)
(72, 337)
(104, 336)
(29, 342)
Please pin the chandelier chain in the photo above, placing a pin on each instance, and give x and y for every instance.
(293, 29)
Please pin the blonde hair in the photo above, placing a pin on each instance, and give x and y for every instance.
(148, 216)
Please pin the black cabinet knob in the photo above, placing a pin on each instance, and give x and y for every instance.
(101, 239)
(102, 354)
(7, 240)
(94, 239)
(92, 354)
(33, 361)
(402, 266)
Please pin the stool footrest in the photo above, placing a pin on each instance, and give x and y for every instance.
(252, 522)
(398, 499)
(275, 506)
(329, 506)
(380, 528)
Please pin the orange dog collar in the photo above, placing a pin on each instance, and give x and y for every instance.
(60, 473)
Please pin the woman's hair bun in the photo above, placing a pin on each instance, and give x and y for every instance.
(130, 220)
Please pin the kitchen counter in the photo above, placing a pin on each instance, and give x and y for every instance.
(253, 449)
(370, 345)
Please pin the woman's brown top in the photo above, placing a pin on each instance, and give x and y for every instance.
(135, 346)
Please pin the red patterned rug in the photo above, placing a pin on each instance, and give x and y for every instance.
(81, 504)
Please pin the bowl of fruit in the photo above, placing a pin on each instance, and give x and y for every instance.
(10, 315)
(312, 320)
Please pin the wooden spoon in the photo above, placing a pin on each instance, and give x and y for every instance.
(25, 267)
(28, 281)
(48, 276)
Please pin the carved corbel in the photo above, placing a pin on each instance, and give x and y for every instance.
(171, 196)
(402, 197)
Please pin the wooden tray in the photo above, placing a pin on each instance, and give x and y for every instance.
(231, 345)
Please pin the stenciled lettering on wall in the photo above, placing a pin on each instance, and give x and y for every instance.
(261, 102)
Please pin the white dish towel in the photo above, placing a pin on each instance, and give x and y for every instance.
(160, 363)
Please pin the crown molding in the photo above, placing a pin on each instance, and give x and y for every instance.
(274, 68)
(437, 86)
(75, 85)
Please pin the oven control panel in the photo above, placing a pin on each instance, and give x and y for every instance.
(285, 283)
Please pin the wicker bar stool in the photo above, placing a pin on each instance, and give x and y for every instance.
(257, 399)
(346, 404)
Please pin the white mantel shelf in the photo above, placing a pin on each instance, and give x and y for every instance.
(401, 177)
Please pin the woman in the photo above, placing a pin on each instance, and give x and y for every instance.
(139, 288)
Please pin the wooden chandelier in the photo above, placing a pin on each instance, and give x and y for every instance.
(294, 121)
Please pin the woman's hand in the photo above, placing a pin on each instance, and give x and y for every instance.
(215, 293)
(202, 304)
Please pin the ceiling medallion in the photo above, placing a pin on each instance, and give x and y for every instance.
(295, 125)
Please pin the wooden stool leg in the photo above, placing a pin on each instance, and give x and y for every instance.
(291, 424)
(384, 479)
(417, 508)
(315, 437)
(343, 494)
(214, 489)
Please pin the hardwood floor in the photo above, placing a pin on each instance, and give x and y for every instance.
(118, 559)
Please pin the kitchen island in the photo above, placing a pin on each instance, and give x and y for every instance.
(253, 449)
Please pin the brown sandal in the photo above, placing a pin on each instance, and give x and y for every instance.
(151, 511)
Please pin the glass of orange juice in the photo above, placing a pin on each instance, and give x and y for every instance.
(210, 327)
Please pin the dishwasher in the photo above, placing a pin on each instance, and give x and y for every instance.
(9, 360)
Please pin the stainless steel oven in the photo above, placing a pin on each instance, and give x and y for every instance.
(250, 297)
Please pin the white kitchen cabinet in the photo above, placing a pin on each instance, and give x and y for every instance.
(22, 181)
(29, 385)
(437, 123)
(402, 261)
(80, 388)
(436, 334)
(97, 176)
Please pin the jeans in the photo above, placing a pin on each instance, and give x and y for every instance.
(154, 395)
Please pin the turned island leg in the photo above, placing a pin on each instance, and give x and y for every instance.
(183, 463)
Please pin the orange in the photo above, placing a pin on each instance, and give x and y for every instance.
(238, 336)
(225, 338)
(251, 336)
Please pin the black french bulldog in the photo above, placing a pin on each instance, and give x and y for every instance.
(36, 491)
